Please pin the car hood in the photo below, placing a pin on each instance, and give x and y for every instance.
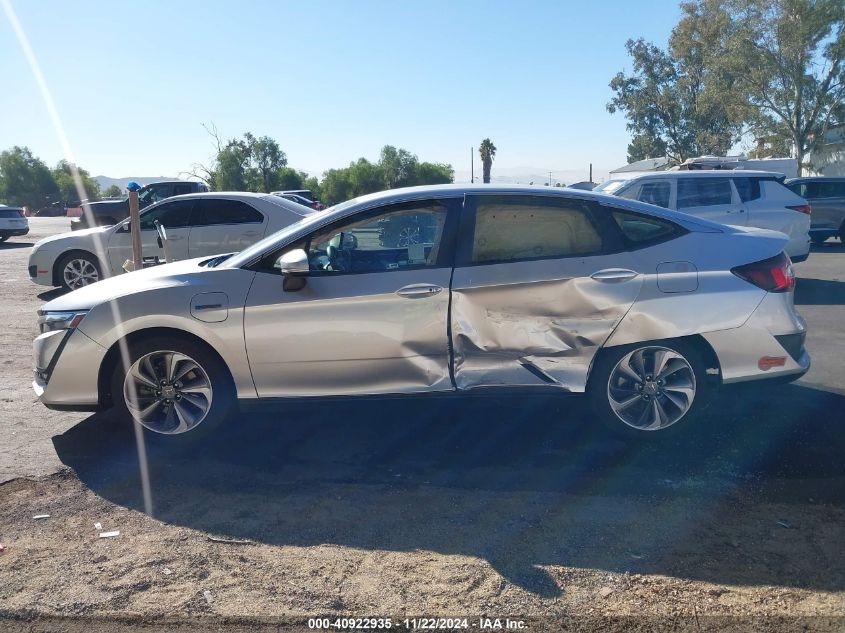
(72, 238)
(114, 287)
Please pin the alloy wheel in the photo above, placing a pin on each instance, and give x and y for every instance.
(409, 235)
(167, 392)
(80, 272)
(651, 388)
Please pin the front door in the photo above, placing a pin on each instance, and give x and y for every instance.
(712, 198)
(372, 317)
(535, 292)
(175, 216)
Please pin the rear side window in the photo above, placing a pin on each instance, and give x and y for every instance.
(703, 192)
(642, 230)
(220, 211)
(171, 215)
(518, 228)
(825, 189)
(179, 190)
(747, 188)
(656, 193)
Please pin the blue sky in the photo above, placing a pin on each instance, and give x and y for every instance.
(331, 81)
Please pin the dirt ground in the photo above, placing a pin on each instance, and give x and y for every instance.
(483, 505)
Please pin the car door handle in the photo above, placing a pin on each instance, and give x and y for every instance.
(416, 291)
(252, 233)
(175, 238)
(611, 275)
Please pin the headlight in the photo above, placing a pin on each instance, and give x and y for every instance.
(52, 321)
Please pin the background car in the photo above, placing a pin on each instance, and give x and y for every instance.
(646, 310)
(827, 197)
(13, 222)
(736, 197)
(197, 225)
(110, 212)
(311, 204)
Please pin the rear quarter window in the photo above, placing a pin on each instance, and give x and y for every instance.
(639, 231)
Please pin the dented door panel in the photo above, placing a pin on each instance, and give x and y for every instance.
(537, 322)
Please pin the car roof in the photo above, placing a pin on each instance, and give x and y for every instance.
(697, 173)
(815, 179)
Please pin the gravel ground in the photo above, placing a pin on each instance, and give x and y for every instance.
(449, 506)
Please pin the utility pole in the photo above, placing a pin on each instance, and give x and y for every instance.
(135, 229)
(472, 165)
(550, 180)
(591, 172)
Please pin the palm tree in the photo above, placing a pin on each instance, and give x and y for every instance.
(487, 151)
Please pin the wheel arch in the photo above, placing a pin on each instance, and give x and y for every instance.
(708, 355)
(57, 273)
(113, 355)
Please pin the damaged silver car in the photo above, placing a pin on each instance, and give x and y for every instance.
(645, 309)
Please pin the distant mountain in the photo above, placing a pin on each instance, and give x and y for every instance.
(106, 182)
(526, 175)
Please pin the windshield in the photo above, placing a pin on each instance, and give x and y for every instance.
(610, 186)
(279, 237)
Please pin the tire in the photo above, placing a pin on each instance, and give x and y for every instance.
(78, 269)
(842, 233)
(633, 409)
(201, 396)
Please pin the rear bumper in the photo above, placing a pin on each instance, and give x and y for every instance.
(14, 232)
(770, 344)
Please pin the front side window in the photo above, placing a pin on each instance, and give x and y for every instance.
(405, 237)
(153, 193)
(703, 192)
(171, 215)
(213, 211)
(523, 228)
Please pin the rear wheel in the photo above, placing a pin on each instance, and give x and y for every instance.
(173, 387)
(646, 387)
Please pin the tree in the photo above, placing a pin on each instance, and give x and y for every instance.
(434, 174)
(113, 192)
(673, 103)
(336, 186)
(366, 177)
(63, 177)
(25, 180)
(792, 57)
(266, 158)
(288, 178)
(487, 151)
(398, 166)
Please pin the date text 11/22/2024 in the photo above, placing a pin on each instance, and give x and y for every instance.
(421, 623)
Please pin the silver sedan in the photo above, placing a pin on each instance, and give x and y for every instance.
(432, 289)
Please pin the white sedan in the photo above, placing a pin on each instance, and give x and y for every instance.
(197, 225)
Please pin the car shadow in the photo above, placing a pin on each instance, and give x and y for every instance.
(522, 482)
(8, 246)
(819, 292)
(49, 295)
(832, 245)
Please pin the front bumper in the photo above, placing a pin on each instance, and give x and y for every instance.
(67, 370)
(41, 268)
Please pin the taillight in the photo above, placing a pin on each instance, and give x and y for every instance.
(772, 275)
(801, 208)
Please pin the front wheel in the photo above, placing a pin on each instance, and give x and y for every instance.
(77, 270)
(173, 387)
(641, 388)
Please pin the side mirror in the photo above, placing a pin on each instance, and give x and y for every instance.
(162, 232)
(294, 267)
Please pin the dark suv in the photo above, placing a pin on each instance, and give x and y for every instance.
(827, 197)
(108, 212)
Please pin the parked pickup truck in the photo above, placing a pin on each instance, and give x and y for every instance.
(109, 212)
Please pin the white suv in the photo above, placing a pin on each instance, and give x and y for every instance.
(737, 197)
(12, 222)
